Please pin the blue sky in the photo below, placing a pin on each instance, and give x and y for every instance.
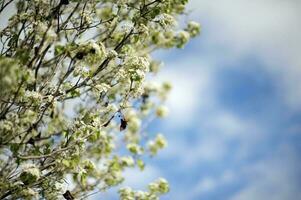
(234, 126)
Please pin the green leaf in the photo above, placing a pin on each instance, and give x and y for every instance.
(140, 164)
(59, 49)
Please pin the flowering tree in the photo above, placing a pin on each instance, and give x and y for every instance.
(76, 93)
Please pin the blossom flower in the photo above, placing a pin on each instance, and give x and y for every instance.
(76, 87)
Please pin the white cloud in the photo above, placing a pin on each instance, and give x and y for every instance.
(191, 154)
(138, 179)
(226, 123)
(208, 149)
(268, 30)
(210, 184)
(206, 185)
(189, 83)
(217, 129)
(274, 178)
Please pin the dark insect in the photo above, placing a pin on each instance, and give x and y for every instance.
(31, 141)
(144, 96)
(123, 124)
(93, 51)
(67, 195)
(80, 55)
(64, 2)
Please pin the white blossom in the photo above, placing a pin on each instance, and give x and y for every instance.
(193, 28)
(162, 111)
(165, 20)
(74, 96)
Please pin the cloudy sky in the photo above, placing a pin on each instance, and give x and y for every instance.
(234, 127)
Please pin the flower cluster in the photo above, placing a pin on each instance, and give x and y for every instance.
(155, 189)
(193, 28)
(76, 89)
(30, 174)
(158, 143)
(136, 67)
